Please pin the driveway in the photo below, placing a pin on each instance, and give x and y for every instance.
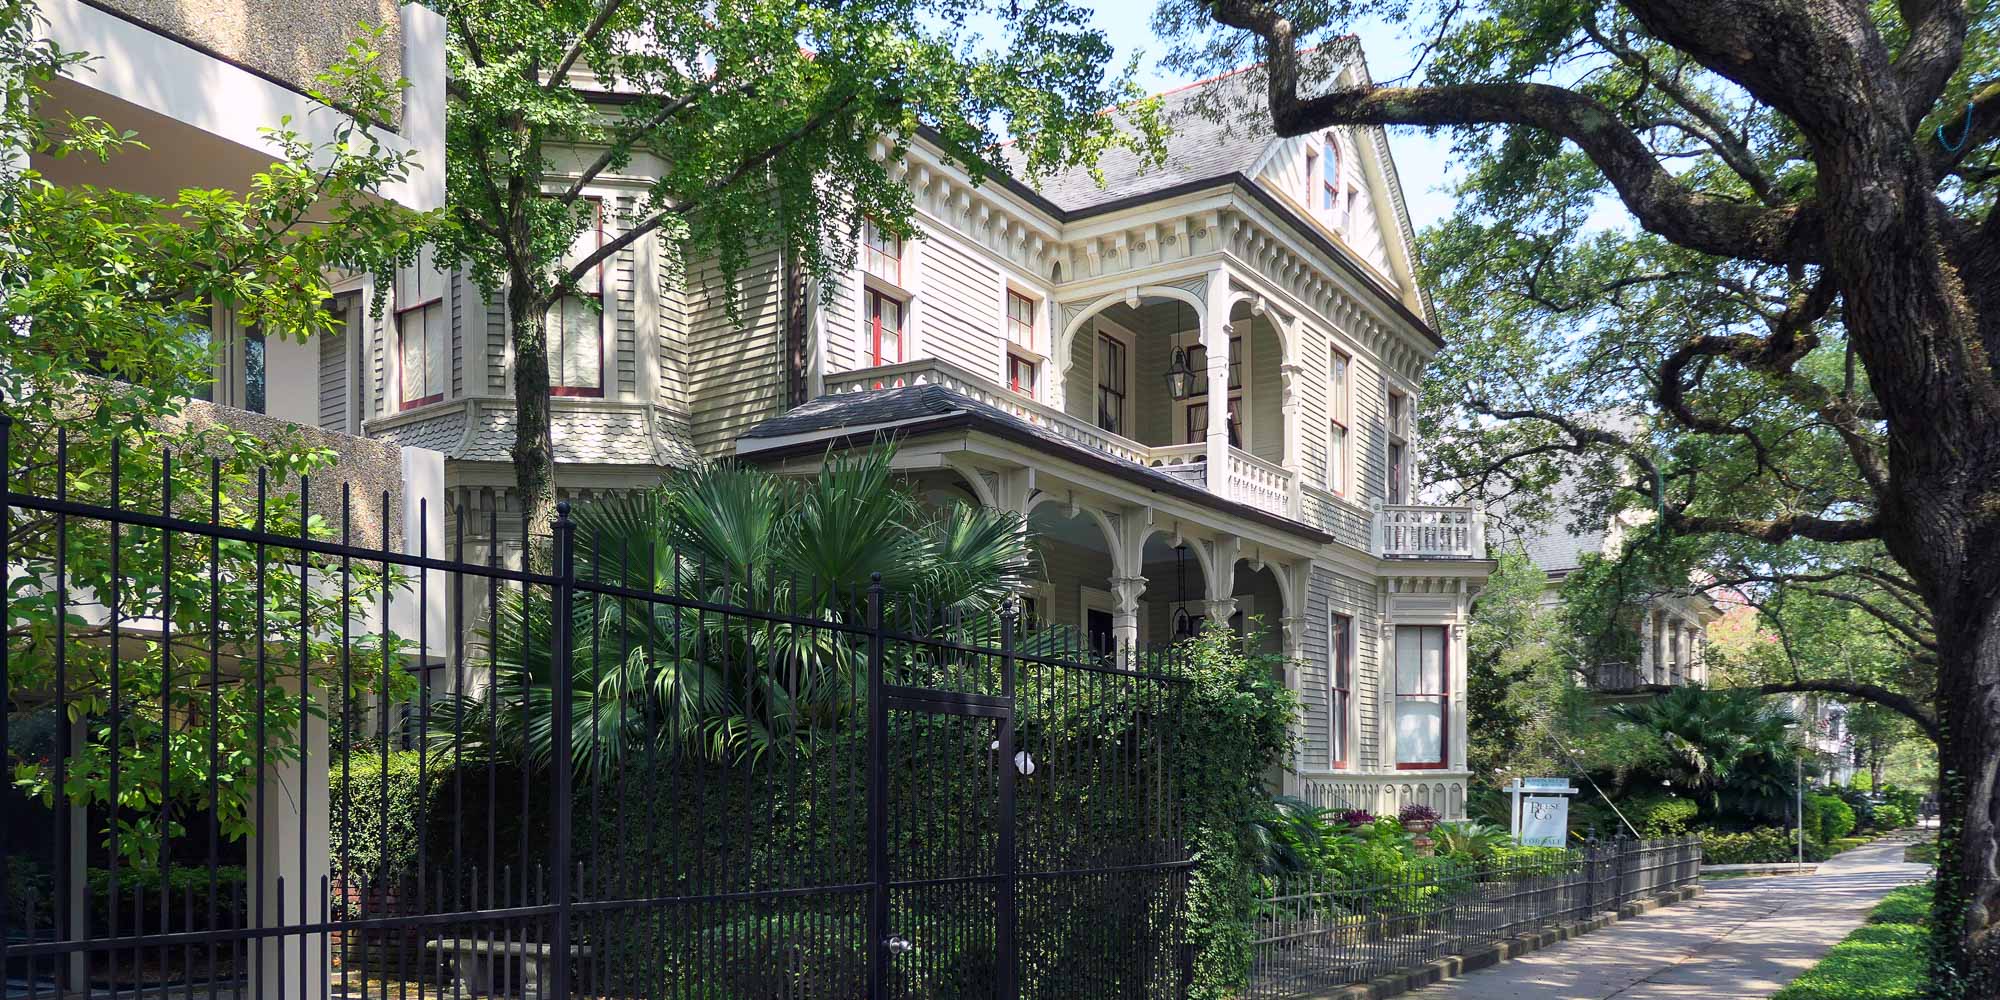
(1743, 937)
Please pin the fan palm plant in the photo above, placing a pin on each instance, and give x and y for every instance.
(1729, 751)
(723, 613)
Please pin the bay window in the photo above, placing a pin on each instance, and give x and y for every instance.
(575, 323)
(1423, 704)
(423, 342)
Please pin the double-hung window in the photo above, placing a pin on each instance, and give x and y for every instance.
(1338, 409)
(1023, 368)
(423, 343)
(575, 326)
(885, 314)
(1113, 359)
(1329, 178)
(883, 328)
(1399, 448)
(1340, 693)
(1423, 702)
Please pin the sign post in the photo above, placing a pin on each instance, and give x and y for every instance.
(1541, 811)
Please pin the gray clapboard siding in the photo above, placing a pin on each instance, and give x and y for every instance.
(1266, 390)
(958, 305)
(333, 369)
(735, 375)
(673, 334)
(1333, 592)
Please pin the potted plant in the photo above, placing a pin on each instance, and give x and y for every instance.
(1418, 820)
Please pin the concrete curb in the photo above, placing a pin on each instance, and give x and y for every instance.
(1768, 868)
(1500, 951)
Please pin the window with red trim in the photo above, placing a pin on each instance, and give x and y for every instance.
(882, 255)
(1423, 697)
(575, 323)
(1340, 694)
(423, 359)
(882, 328)
(1021, 374)
(1022, 366)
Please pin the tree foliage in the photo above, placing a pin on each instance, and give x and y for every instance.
(105, 298)
(736, 128)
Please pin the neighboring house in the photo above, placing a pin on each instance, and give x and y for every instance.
(1198, 384)
(198, 82)
(1672, 629)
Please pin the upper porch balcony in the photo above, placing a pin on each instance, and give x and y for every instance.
(1406, 531)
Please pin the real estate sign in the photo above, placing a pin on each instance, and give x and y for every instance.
(1541, 811)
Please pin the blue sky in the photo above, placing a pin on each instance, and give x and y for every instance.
(1421, 161)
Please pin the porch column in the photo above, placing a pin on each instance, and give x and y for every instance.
(1215, 344)
(1125, 594)
(1220, 597)
(1288, 379)
(288, 862)
(1643, 670)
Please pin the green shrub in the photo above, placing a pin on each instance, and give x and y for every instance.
(1764, 845)
(1836, 817)
(1858, 801)
(1660, 815)
(1883, 960)
(1891, 817)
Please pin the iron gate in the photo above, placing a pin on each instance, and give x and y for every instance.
(605, 777)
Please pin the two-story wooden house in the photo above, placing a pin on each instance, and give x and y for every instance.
(1197, 382)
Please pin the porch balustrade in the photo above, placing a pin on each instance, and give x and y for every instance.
(1429, 531)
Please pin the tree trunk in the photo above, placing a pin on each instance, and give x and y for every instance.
(533, 451)
(1968, 888)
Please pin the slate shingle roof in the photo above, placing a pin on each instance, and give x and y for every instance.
(917, 408)
(1201, 147)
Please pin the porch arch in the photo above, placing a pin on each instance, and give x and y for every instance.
(1067, 336)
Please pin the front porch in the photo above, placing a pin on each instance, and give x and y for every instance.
(1396, 531)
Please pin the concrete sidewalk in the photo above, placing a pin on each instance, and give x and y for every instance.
(1743, 937)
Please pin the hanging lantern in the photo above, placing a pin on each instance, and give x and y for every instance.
(1180, 375)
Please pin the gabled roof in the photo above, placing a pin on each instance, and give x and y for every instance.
(859, 418)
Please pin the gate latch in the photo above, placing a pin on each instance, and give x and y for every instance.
(899, 945)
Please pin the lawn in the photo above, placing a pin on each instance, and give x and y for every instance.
(1883, 960)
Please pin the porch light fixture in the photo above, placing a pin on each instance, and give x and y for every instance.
(1180, 377)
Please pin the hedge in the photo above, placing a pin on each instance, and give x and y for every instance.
(1660, 815)
(1764, 845)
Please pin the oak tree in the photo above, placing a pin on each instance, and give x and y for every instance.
(1767, 227)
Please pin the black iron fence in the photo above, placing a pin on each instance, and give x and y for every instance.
(254, 759)
(1319, 932)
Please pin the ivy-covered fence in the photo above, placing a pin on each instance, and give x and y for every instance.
(1324, 930)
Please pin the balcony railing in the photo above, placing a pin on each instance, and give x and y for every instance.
(1259, 484)
(1424, 531)
(931, 371)
(1250, 480)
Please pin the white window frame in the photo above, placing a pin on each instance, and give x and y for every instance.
(1393, 434)
(426, 261)
(1339, 470)
(1343, 721)
(1129, 410)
